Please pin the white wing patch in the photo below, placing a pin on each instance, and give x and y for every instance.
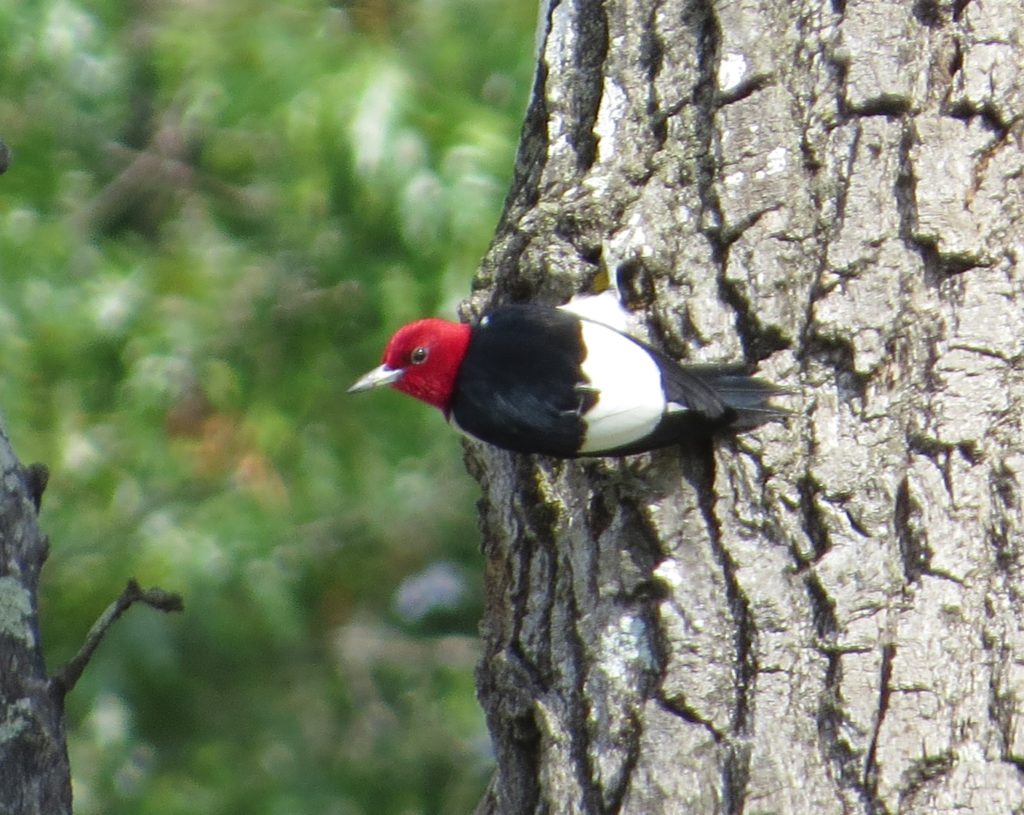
(630, 397)
(603, 308)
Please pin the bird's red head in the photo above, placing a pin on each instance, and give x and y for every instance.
(422, 359)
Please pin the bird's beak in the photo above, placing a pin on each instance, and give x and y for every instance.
(381, 375)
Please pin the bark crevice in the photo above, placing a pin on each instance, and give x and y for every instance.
(590, 53)
(736, 763)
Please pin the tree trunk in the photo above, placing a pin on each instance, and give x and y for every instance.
(823, 615)
(35, 778)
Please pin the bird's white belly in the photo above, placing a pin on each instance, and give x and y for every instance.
(630, 396)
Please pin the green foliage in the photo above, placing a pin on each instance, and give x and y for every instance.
(215, 215)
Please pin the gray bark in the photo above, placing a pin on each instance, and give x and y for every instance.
(35, 778)
(820, 616)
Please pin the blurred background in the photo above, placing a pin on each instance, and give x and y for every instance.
(217, 212)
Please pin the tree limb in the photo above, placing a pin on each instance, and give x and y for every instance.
(68, 675)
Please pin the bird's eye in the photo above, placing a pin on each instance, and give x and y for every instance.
(418, 356)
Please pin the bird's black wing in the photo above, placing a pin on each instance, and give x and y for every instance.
(517, 387)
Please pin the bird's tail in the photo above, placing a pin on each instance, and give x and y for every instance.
(748, 396)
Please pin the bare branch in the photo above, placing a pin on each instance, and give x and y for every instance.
(68, 675)
(37, 476)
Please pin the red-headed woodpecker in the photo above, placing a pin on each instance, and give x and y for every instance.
(538, 379)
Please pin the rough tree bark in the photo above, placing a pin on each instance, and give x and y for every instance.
(35, 778)
(822, 616)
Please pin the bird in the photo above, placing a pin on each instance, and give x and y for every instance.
(551, 380)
